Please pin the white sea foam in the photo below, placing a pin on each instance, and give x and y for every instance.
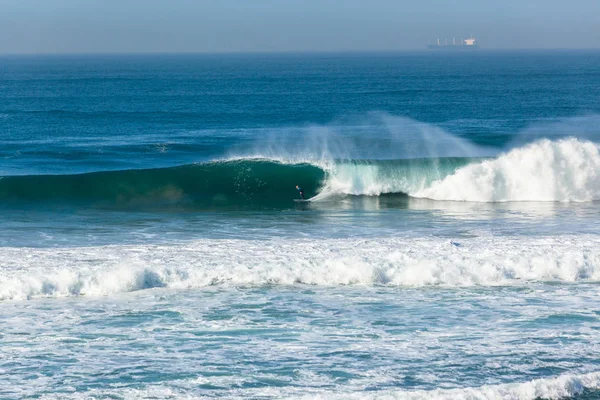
(563, 170)
(30, 272)
(560, 387)
(549, 388)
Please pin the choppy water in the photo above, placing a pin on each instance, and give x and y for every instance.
(151, 247)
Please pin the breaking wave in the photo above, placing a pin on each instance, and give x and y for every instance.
(565, 170)
(237, 183)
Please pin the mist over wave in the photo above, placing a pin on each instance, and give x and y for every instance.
(374, 136)
(583, 127)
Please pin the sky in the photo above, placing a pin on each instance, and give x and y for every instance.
(174, 26)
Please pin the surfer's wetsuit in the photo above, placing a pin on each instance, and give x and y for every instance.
(300, 191)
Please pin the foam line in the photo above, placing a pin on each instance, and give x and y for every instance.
(31, 272)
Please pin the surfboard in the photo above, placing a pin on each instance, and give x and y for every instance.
(302, 200)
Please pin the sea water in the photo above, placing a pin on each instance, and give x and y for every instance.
(151, 247)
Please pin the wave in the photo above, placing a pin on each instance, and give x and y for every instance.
(565, 170)
(219, 184)
(30, 272)
(568, 386)
(562, 170)
(235, 183)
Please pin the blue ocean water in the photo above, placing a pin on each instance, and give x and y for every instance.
(150, 246)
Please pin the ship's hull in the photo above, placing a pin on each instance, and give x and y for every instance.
(453, 48)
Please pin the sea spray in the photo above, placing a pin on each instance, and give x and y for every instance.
(373, 136)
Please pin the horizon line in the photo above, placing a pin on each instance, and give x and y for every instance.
(292, 52)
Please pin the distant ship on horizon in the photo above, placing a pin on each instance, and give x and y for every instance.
(463, 44)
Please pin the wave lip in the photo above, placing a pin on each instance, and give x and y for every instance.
(28, 273)
(566, 170)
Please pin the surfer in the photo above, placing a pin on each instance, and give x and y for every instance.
(301, 191)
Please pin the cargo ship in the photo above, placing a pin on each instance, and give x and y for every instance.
(462, 44)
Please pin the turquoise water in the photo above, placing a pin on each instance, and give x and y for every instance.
(151, 247)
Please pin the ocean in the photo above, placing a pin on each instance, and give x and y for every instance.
(151, 248)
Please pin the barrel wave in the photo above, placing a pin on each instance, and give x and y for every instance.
(238, 183)
(221, 184)
(562, 170)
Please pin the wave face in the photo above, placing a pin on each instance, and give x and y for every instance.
(563, 170)
(236, 183)
(30, 272)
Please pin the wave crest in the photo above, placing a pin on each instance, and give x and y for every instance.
(563, 170)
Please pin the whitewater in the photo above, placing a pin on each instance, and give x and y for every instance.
(564, 170)
(31, 273)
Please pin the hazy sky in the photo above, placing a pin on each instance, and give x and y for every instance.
(73, 26)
